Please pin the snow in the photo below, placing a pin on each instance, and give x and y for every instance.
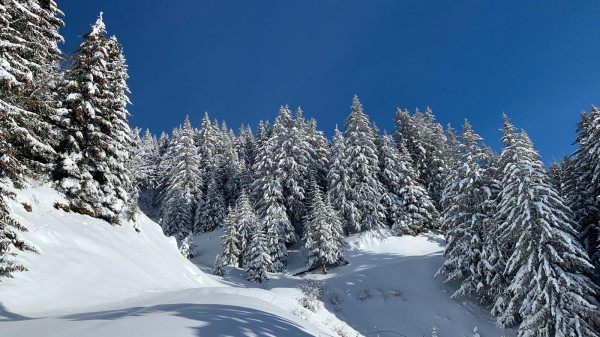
(393, 275)
(85, 262)
(92, 279)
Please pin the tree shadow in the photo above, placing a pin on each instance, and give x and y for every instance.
(215, 319)
(7, 316)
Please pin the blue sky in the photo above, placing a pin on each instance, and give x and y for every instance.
(537, 61)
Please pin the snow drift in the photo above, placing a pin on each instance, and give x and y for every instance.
(85, 262)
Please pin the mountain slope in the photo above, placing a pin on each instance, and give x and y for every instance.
(92, 279)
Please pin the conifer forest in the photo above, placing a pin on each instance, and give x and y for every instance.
(521, 241)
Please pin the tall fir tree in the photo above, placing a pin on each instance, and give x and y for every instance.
(366, 211)
(583, 183)
(247, 223)
(98, 140)
(256, 257)
(211, 209)
(464, 217)
(292, 160)
(409, 208)
(322, 235)
(548, 293)
(182, 191)
(337, 179)
(231, 255)
(29, 77)
(427, 145)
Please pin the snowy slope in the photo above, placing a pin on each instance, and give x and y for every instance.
(86, 262)
(186, 313)
(395, 276)
(92, 279)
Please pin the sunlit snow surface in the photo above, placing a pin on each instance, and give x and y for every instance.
(91, 279)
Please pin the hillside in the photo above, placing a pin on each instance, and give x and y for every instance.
(92, 279)
(95, 280)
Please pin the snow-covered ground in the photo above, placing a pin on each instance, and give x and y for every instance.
(92, 279)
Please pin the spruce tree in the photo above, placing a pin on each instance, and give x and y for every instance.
(558, 175)
(464, 218)
(322, 235)
(256, 257)
(98, 140)
(188, 247)
(548, 293)
(219, 267)
(10, 241)
(319, 152)
(365, 209)
(231, 255)
(427, 145)
(270, 200)
(337, 179)
(292, 160)
(247, 223)
(182, 191)
(29, 78)
(409, 208)
(211, 210)
(583, 183)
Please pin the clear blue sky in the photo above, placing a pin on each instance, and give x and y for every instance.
(538, 61)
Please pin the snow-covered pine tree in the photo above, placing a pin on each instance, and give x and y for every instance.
(463, 217)
(230, 170)
(247, 223)
(207, 144)
(246, 145)
(427, 144)
(558, 176)
(219, 268)
(98, 140)
(10, 242)
(548, 292)
(269, 196)
(256, 257)
(435, 167)
(583, 183)
(163, 143)
(211, 209)
(492, 256)
(320, 152)
(322, 237)
(188, 247)
(29, 76)
(365, 190)
(337, 179)
(164, 166)
(231, 255)
(148, 159)
(292, 160)
(409, 208)
(182, 192)
(262, 134)
(332, 217)
(274, 222)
